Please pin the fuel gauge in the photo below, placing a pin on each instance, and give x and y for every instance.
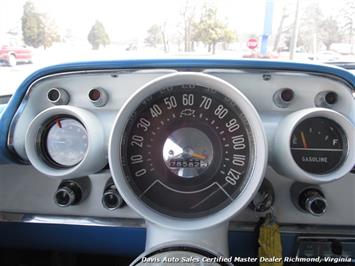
(318, 145)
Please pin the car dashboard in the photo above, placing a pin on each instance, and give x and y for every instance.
(187, 149)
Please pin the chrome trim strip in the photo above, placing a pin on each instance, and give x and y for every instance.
(115, 72)
(71, 220)
(299, 228)
(313, 230)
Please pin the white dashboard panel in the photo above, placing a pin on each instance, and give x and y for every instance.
(33, 192)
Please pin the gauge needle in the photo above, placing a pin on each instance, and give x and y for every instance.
(58, 123)
(199, 156)
(304, 140)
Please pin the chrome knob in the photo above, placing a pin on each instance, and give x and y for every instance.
(316, 205)
(58, 96)
(111, 199)
(68, 193)
(313, 201)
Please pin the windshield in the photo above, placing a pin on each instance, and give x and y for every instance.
(38, 33)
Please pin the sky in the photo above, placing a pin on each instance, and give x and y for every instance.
(130, 19)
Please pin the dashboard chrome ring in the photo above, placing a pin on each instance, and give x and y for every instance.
(192, 252)
(95, 158)
(259, 152)
(282, 153)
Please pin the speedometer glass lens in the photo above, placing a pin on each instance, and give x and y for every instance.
(318, 145)
(187, 151)
(65, 142)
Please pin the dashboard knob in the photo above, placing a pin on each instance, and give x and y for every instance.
(313, 201)
(264, 198)
(58, 96)
(111, 199)
(68, 193)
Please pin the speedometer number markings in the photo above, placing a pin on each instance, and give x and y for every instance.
(187, 150)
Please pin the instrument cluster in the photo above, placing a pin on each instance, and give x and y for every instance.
(184, 145)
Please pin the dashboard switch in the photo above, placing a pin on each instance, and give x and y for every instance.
(309, 199)
(313, 201)
(283, 98)
(264, 198)
(111, 199)
(72, 192)
(58, 96)
(326, 99)
(68, 193)
(98, 97)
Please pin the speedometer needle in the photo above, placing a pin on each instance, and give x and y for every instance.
(199, 156)
(304, 140)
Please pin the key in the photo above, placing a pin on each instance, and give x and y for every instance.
(270, 248)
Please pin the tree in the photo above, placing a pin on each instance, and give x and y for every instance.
(157, 36)
(188, 14)
(210, 30)
(37, 28)
(98, 36)
(330, 32)
(48, 33)
(348, 25)
(308, 36)
(154, 37)
(317, 30)
(282, 27)
(31, 25)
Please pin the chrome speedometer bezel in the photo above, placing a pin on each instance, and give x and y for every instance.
(259, 151)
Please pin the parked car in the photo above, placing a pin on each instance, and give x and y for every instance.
(326, 56)
(12, 53)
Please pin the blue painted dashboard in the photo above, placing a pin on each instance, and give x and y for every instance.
(111, 240)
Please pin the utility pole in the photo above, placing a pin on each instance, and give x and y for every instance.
(295, 32)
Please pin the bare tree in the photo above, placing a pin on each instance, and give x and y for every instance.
(348, 24)
(282, 28)
(157, 35)
(188, 14)
(330, 32)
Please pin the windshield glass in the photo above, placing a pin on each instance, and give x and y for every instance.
(38, 33)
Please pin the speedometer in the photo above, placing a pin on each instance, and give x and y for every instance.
(187, 150)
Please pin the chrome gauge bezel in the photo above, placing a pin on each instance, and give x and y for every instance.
(282, 158)
(96, 154)
(256, 173)
(42, 145)
(342, 136)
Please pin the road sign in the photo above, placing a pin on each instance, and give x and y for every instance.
(252, 43)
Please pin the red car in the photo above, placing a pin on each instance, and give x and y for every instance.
(12, 53)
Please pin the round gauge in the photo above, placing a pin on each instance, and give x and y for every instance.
(64, 142)
(187, 151)
(318, 145)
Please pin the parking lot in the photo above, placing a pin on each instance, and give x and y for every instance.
(11, 77)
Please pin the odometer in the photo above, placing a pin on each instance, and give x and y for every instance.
(187, 151)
